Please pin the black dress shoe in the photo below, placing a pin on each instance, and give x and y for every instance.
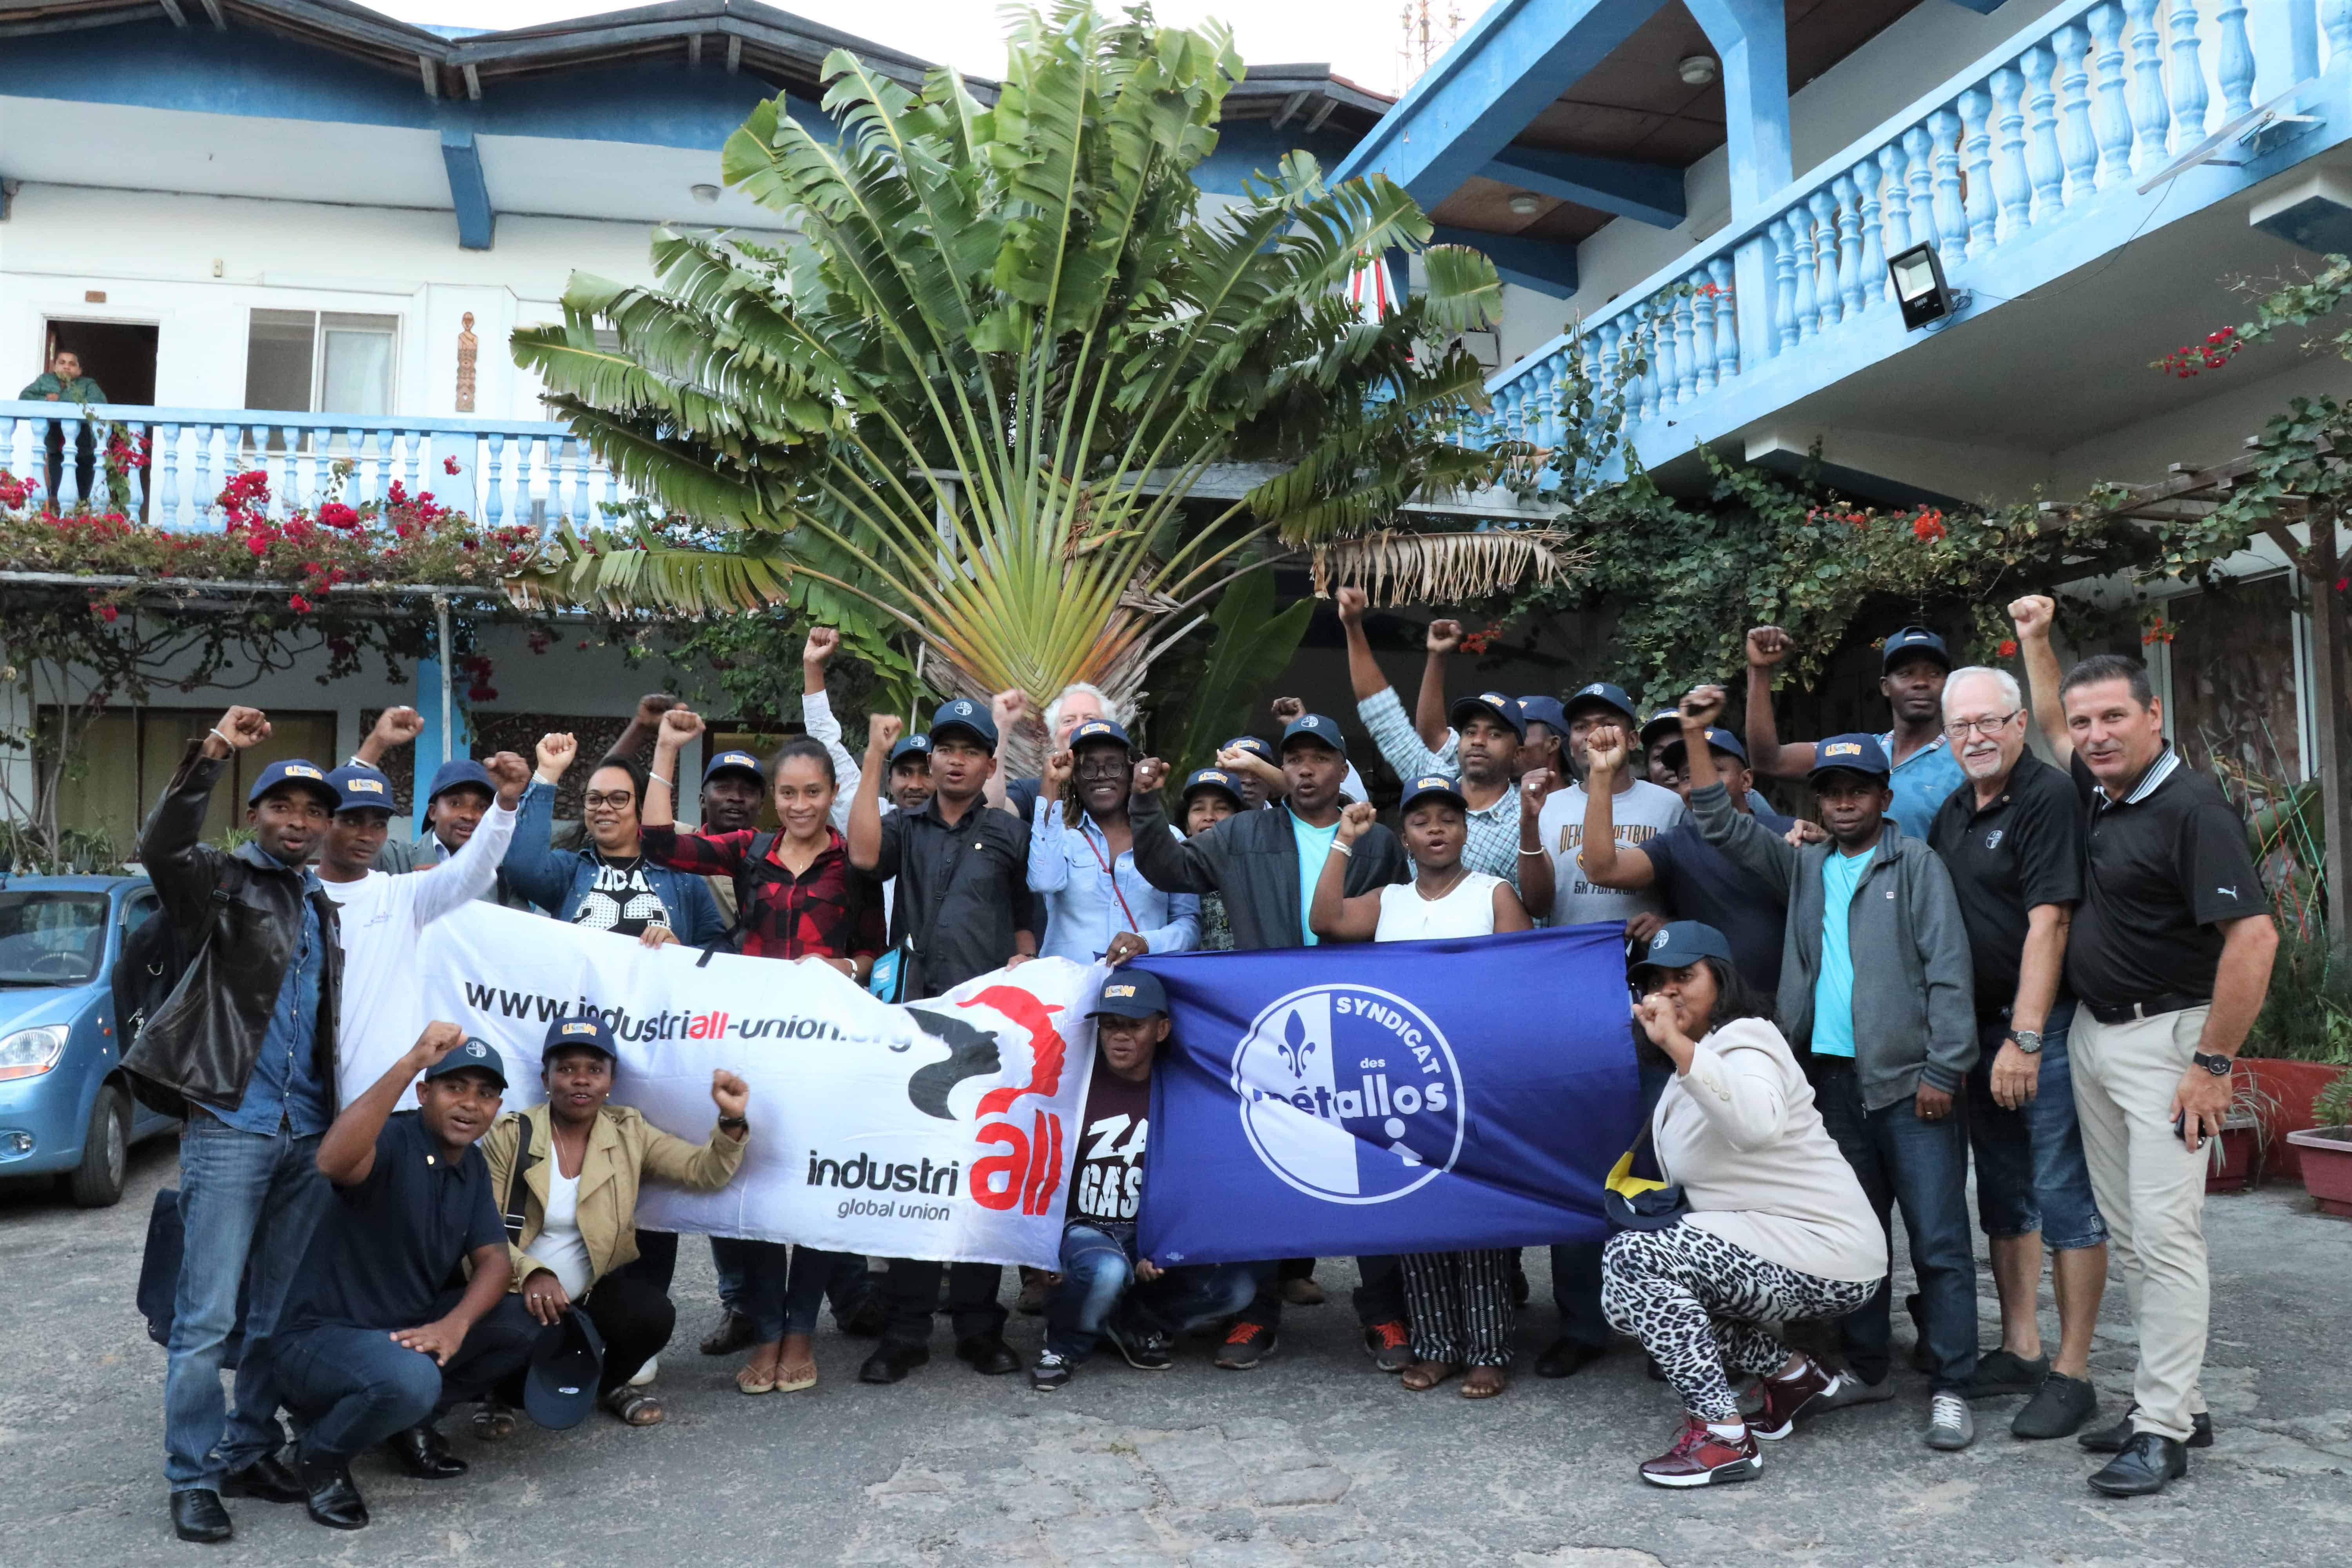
(1567, 1357)
(2147, 1462)
(332, 1496)
(423, 1452)
(2113, 1439)
(197, 1515)
(891, 1363)
(734, 1332)
(268, 1478)
(988, 1353)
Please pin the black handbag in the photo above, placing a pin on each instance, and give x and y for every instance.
(158, 1278)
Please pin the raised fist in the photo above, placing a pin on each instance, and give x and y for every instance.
(653, 705)
(730, 1094)
(680, 725)
(1058, 769)
(822, 643)
(244, 727)
(1701, 706)
(1007, 707)
(1535, 786)
(1767, 645)
(1286, 709)
(1445, 636)
(510, 774)
(1355, 817)
(1605, 747)
(438, 1040)
(555, 754)
(2032, 616)
(1149, 775)
(1352, 603)
(398, 726)
(882, 732)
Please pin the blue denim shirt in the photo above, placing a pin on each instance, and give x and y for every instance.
(285, 1087)
(1083, 886)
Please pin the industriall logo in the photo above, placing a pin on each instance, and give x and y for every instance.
(1349, 1094)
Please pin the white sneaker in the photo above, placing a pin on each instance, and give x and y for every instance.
(1949, 1425)
(647, 1373)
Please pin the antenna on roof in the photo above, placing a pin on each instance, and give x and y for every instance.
(1430, 27)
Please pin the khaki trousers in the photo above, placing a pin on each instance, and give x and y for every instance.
(2151, 1189)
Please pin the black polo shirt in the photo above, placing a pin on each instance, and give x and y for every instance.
(963, 890)
(389, 1247)
(2162, 868)
(1699, 882)
(2025, 848)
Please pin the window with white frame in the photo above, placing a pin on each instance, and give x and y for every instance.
(321, 362)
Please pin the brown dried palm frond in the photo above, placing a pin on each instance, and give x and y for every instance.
(1396, 567)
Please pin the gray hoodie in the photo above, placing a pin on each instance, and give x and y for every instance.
(1914, 995)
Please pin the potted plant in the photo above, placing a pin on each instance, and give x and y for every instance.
(2300, 1043)
(2327, 1149)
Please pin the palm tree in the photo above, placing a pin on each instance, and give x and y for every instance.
(970, 406)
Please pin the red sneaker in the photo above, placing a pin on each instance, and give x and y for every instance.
(1245, 1345)
(1785, 1398)
(1700, 1459)
(1389, 1346)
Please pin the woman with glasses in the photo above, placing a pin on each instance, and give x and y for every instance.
(1082, 858)
(613, 885)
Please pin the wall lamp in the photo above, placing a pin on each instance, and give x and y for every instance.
(1920, 289)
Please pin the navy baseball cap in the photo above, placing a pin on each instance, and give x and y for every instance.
(1681, 943)
(916, 744)
(1129, 993)
(1663, 719)
(964, 714)
(461, 772)
(1318, 726)
(1099, 729)
(1431, 787)
(361, 788)
(294, 774)
(1718, 739)
(1605, 695)
(1496, 705)
(1849, 754)
(1545, 711)
(559, 1388)
(1213, 778)
(586, 1033)
(1911, 640)
(1250, 743)
(474, 1056)
(735, 762)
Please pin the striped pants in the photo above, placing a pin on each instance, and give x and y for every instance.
(1459, 1305)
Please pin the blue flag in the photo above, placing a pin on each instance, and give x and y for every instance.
(1388, 1098)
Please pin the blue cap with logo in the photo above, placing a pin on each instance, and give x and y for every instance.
(967, 717)
(293, 773)
(1321, 728)
(1129, 993)
(1250, 743)
(361, 788)
(1718, 739)
(1213, 778)
(1911, 640)
(1602, 694)
(734, 762)
(1849, 754)
(585, 1033)
(1096, 730)
(1544, 710)
(1432, 787)
(1658, 723)
(1681, 943)
(559, 1387)
(474, 1056)
(461, 772)
(917, 744)
(1493, 704)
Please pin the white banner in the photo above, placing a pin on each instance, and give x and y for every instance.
(943, 1130)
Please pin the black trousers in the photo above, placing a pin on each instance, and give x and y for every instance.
(634, 1319)
(912, 1290)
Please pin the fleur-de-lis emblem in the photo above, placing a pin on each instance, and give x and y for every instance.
(1296, 1046)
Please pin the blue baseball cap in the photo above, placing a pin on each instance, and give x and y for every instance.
(1432, 787)
(1849, 754)
(294, 774)
(1129, 993)
(1213, 778)
(1095, 729)
(1321, 728)
(1496, 705)
(1718, 739)
(916, 744)
(361, 788)
(474, 1056)
(1603, 693)
(965, 715)
(1544, 710)
(559, 1387)
(1911, 640)
(1663, 719)
(585, 1033)
(1250, 743)
(461, 772)
(735, 762)
(1681, 943)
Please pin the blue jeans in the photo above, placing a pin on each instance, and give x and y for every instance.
(784, 1286)
(1924, 1167)
(242, 1195)
(1097, 1271)
(2030, 1173)
(355, 1388)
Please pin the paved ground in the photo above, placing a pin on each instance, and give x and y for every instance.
(1314, 1459)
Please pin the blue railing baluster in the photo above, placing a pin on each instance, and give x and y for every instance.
(2187, 79)
(2078, 148)
(2151, 114)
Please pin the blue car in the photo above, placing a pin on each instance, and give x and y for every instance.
(65, 1108)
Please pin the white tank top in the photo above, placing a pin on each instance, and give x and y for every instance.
(1468, 910)
(559, 1244)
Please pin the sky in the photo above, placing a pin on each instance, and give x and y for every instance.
(1362, 39)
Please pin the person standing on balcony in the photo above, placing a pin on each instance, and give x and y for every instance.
(2171, 955)
(1913, 664)
(64, 382)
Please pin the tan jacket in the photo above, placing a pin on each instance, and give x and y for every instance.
(624, 1150)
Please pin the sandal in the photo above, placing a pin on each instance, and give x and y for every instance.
(792, 1379)
(756, 1377)
(1423, 1375)
(493, 1423)
(1484, 1382)
(636, 1407)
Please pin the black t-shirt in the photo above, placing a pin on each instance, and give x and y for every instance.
(1106, 1182)
(2162, 868)
(622, 899)
(1699, 882)
(388, 1248)
(2025, 848)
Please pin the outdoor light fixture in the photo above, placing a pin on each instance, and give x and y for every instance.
(1524, 204)
(1920, 289)
(1696, 70)
(705, 195)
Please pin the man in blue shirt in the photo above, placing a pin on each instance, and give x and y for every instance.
(1913, 663)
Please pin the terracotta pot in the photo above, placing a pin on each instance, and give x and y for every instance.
(2326, 1166)
(2292, 1086)
(2235, 1171)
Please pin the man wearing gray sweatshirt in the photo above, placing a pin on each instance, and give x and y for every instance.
(1877, 992)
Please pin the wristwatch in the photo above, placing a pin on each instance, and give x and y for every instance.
(2217, 1065)
(2028, 1041)
(734, 1124)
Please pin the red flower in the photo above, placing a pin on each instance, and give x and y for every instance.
(298, 604)
(449, 465)
(2342, 584)
(2009, 647)
(106, 613)
(335, 514)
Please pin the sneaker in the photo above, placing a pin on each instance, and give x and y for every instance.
(1849, 1389)
(1146, 1350)
(1949, 1425)
(1784, 1398)
(1700, 1459)
(1246, 1344)
(1303, 1292)
(2002, 1373)
(1050, 1370)
(647, 1373)
(2111, 1439)
(1388, 1344)
(2058, 1408)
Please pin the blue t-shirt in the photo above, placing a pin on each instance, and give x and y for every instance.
(1920, 782)
(1314, 844)
(1833, 986)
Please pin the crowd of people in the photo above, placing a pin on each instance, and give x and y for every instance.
(1974, 951)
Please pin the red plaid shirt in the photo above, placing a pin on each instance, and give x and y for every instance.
(805, 916)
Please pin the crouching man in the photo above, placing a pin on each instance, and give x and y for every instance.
(1103, 1288)
(376, 1344)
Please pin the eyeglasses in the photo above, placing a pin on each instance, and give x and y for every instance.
(1105, 768)
(1959, 729)
(617, 801)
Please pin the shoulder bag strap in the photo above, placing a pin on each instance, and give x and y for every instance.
(518, 1190)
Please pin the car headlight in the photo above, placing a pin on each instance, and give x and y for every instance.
(30, 1053)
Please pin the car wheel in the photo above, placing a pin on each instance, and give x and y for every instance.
(97, 1182)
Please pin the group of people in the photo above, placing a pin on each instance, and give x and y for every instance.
(1973, 950)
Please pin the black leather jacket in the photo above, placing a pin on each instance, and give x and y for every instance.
(241, 916)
